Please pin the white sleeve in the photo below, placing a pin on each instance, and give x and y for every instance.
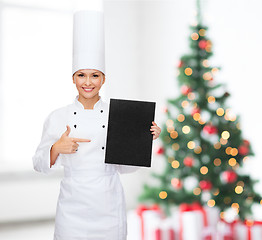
(41, 159)
(126, 169)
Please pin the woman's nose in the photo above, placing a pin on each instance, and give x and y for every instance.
(88, 80)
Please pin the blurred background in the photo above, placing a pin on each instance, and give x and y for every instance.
(144, 41)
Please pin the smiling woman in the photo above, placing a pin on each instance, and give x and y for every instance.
(91, 203)
(88, 83)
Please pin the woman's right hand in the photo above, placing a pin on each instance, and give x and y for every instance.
(65, 145)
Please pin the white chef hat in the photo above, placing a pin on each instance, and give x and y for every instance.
(88, 41)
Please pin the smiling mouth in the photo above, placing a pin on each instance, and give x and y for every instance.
(88, 89)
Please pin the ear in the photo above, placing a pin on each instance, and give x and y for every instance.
(73, 79)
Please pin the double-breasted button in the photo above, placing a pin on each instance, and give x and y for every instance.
(75, 126)
(103, 126)
(101, 111)
(103, 148)
(75, 113)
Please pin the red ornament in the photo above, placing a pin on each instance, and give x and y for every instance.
(229, 176)
(210, 129)
(159, 150)
(246, 142)
(243, 150)
(205, 185)
(202, 44)
(188, 161)
(185, 90)
(176, 183)
(180, 64)
(195, 110)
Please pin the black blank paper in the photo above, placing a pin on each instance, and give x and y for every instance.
(129, 139)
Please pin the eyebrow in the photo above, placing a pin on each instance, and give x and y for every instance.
(91, 73)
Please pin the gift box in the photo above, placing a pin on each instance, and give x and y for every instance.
(189, 222)
(149, 223)
(157, 227)
(197, 222)
(133, 226)
(225, 230)
(238, 230)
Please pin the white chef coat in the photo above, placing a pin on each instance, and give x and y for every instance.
(91, 203)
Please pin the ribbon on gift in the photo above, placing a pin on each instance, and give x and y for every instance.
(140, 211)
(158, 235)
(231, 235)
(185, 207)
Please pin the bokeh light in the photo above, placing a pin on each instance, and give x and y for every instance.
(217, 162)
(232, 162)
(175, 146)
(211, 203)
(211, 99)
(174, 134)
(186, 129)
(202, 32)
(225, 135)
(191, 144)
(204, 170)
(194, 36)
(180, 117)
(239, 189)
(175, 164)
(163, 194)
(197, 191)
(220, 112)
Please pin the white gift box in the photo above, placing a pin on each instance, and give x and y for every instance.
(134, 228)
(238, 230)
(194, 226)
(156, 227)
(185, 225)
(224, 231)
(248, 230)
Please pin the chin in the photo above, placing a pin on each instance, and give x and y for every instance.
(88, 95)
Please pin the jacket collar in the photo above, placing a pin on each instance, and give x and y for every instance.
(80, 105)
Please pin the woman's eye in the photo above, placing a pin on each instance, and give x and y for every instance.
(95, 75)
(80, 75)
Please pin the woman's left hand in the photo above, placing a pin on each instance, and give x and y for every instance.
(155, 130)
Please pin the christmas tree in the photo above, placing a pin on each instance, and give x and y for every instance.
(202, 141)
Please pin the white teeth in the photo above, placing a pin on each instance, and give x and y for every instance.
(88, 89)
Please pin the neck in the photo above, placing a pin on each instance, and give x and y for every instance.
(88, 103)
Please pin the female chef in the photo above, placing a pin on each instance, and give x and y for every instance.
(91, 203)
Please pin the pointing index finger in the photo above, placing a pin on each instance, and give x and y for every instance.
(80, 140)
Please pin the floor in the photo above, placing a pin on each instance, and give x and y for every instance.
(27, 231)
(41, 230)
